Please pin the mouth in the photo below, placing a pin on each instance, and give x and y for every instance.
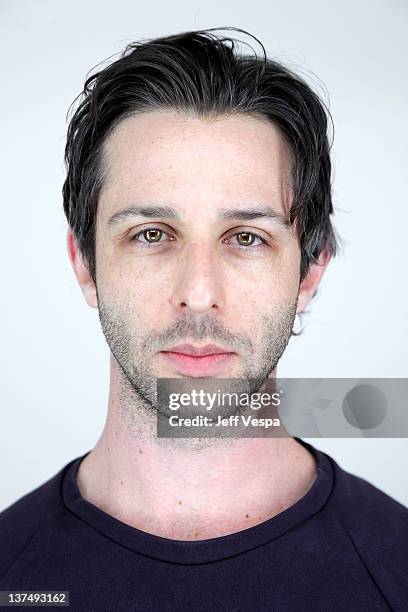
(198, 361)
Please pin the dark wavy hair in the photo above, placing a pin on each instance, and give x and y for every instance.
(201, 73)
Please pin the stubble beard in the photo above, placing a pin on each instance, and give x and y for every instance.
(134, 349)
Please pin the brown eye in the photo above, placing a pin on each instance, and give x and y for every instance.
(245, 238)
(152, 235)
(249, 241)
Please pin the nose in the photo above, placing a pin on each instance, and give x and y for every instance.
(199, 288)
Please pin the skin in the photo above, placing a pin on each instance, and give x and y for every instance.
(199, 285)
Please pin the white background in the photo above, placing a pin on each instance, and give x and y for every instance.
(54, 360)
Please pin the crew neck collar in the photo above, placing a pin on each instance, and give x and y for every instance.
(200, 551)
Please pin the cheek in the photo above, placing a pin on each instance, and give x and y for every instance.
(122, 273)
(247, 312)
(143, 295)
(266, 287)
(286, 276)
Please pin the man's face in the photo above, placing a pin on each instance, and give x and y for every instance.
(200, 274)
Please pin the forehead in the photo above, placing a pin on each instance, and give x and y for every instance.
(166, 155)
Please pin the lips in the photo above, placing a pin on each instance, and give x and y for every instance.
(197, 361)
(197, 351)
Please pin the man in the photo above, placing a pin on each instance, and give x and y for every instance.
(198, 200)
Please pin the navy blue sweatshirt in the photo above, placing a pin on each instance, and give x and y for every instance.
(342, 546)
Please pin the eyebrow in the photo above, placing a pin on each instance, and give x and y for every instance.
(166, 212)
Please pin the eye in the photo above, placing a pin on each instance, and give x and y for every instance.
(247, 239)
(150, 235)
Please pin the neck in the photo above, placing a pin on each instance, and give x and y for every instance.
(188, 489)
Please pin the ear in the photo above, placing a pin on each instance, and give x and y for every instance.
(81, 271)
(308, 286)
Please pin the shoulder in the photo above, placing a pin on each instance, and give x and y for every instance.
(366, 507)
(20, 521)
(376, 526)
